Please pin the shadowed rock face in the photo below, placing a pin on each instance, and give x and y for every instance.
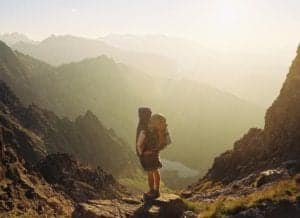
(25, 192)
(79, 182)
(85, 138)
(281, 133)
(27, 144)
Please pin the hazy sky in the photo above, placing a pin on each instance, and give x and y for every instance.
(216, 23)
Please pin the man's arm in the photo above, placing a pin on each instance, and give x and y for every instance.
(140, 142)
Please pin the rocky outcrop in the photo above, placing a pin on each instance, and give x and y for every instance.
(23, 192)
(246, 157)
(26, 143)
(281, 133)
(79, 182)
(270, 209)
(167, 206)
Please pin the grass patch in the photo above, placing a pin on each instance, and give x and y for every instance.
(139, 183)
(226, 205)
(192, 206)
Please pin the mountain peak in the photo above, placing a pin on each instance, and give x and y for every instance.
(14, 37)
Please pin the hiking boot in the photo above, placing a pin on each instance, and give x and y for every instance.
(156, 194)
(148, 196)
(152, 194)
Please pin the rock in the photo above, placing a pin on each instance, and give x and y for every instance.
(189, 214)
(78, 181)
(269, 176)
(293, 166)
(167, 206)
(186, 193)
(249, 213)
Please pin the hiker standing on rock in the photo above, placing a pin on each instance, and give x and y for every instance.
(152, 136)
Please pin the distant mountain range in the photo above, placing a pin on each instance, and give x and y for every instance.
(164, 56)
(198, 115)
(57, 50)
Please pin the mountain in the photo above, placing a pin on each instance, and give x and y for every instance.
(57, 50)
(23, 189)
(114, 91)
(54, 134)
(166, 56)
(228, 70)
(262, 170)
(13, 38)
(186, 53)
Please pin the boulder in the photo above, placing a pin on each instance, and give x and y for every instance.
(269, 176)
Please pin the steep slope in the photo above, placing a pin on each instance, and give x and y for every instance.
(86, 138)
(259, 177)
(24, 192)
(115, 91)
(281, 132)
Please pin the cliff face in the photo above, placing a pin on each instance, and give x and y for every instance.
(277, 143)
(282, 126)
(28, 144)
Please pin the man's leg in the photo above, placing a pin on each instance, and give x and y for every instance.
(151, 180)
(156, 175)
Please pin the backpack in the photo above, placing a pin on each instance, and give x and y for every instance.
(167, 140)
(152, 140)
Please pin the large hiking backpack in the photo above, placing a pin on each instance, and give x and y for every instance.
(167, 140)
(152, 140)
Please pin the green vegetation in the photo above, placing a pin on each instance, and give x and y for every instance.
(139, 183)
(192, 206)
(225, 205)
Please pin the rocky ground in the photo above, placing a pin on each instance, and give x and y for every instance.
(59, 186)
(272, 193)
